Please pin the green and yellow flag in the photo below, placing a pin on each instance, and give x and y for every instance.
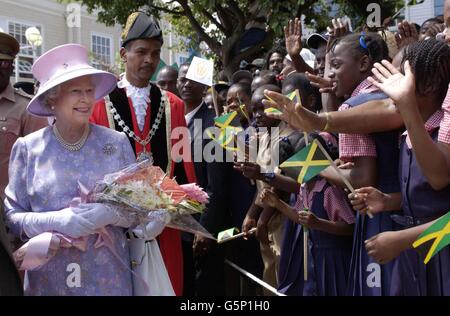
(229, 120)
(293, 96)
(226, 234)
(306, 164)
(230, 126)
(272, 110)
(244, 111)
(439, 232)
(224, 139)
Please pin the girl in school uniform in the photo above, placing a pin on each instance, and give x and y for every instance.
(375, 156)
(425, 183)
(330, 223)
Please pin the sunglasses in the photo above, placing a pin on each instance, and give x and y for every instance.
(5, 64)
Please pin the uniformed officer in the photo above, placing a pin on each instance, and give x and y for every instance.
(15, 122)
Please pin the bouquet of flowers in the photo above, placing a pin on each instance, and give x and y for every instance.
(145, 191)
(141, 192)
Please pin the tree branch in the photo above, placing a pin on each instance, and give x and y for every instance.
(173, 12)
(213, 44)
(238, 30)
(224, 16)
(267, 42)
(234, 7)
(213, 20)
(233, 64)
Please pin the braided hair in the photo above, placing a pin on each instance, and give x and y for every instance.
(364, 44)
(430, 63)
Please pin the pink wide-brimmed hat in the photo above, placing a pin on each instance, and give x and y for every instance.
(64, 63)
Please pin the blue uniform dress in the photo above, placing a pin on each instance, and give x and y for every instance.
(328, 257)
(368, 278)
(421, 204)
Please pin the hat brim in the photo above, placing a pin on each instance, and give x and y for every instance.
(6, 57)
(11, 43)
(104, 82)
(314, 40)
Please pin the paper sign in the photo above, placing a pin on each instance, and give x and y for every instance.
(201, 70)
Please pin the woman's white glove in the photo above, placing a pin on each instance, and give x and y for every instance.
(64, 221)
(100, 215)
(152, 229)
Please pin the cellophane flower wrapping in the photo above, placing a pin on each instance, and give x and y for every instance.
(146, 192)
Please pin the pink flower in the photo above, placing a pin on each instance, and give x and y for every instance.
(195, 193)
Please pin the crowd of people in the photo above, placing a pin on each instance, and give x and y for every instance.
(378, 102)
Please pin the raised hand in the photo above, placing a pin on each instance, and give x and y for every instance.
(397, 86)
(293, 37)
(339, 29)
(367, 199)
(406, 34)
(432, 31)
(294, 114)
(325, 85)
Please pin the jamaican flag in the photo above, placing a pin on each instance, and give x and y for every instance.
(230, 121)
(226, 234)
(306, 164)
(225, 138)
(229, 126)
(244, 111)
(291, 96)
(272, 110)
(439, 232)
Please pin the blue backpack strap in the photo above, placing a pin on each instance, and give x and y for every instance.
(365, 97)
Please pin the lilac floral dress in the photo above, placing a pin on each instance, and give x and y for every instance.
(44, 177)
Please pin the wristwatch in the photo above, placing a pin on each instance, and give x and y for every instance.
(269, 176)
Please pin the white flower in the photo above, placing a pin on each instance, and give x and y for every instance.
(139, 193)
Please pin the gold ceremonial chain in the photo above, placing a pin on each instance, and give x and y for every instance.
(129, 131)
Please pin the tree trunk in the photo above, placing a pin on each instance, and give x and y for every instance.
(231, 65)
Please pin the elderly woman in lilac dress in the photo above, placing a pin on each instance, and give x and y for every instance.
(46, 167)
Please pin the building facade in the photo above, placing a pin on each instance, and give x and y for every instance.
(421, 12)
(62, 23)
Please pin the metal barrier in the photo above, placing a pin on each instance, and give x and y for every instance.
(254, 278)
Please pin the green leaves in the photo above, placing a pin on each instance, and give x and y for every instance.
(220, 23)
